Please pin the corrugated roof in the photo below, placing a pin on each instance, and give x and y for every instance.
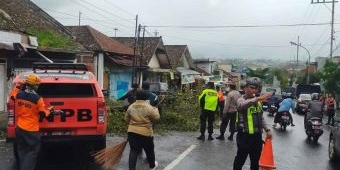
(23, 16)
(96, 41)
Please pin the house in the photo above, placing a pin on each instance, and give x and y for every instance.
(209, 67)
(181, 61)
(27, 35)
(112, 59)
(152, 64)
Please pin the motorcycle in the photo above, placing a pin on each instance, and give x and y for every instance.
(313, 128)
(272, 109)
(284, 121)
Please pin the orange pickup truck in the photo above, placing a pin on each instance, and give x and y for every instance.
(74, 91)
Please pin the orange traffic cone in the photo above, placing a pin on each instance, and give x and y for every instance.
(267, 157)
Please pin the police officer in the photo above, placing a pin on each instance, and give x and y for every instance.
(208, 101)
(250, 123)
(229, 112)
(28, 108)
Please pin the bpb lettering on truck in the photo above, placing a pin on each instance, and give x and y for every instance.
(70, 88)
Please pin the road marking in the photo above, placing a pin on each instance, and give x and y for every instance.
(179, 158)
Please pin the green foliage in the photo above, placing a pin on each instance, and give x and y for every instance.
(180, 112)
(49, 38)
(261, 73)
(2, 134)
(330, 74)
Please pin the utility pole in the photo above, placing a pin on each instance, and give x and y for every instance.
(332, 21)
(134, 60)
(115, 30)
(297, 52)
(79, 17)
(308, 61)
(156, 33)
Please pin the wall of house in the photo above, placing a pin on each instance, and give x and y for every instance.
(185, 62)
(154, 62)
(208, 67)
(120, 83)
(3, 91)
(86, 59)
(225, 66)
(99, 69)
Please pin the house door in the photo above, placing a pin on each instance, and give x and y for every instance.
(2, 87)
(120, 83)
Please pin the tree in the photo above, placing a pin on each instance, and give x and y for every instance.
(330, 74)
(260, 73)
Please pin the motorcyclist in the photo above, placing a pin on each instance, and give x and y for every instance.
(315, 108)
(273, 100)
(286, 104)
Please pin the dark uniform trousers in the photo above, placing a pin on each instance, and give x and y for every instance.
(248, 144)
(138, 142)
(231, 116)
(210, 116)
(28, 146)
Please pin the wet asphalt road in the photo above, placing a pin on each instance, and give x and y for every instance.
(182, 151)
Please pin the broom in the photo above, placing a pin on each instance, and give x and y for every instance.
(110, 157)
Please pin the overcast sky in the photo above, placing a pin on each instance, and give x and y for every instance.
(212, 28)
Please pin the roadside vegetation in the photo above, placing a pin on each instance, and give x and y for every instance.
(180, 112)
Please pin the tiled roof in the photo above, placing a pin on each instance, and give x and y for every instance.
(24, 15)
(152, 45)
(96, 41)
(175, 52)
(121, 60)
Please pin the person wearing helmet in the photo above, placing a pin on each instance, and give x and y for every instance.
(286, 104)
(315, 108)
(29, 106)
(250, 124)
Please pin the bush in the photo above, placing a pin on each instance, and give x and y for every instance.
(180, 112)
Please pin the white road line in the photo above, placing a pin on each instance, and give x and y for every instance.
(179, 158)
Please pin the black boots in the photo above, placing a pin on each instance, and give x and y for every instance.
(203, 138)
(231, 136)
(221, 137)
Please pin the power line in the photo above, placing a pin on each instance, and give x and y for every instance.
(238, 26)
(105, 11)
(76, 2)
(119, 8)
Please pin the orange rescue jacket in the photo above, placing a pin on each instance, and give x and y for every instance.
(28, 106)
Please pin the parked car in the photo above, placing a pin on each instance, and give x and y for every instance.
(302, 103)
(334, 141)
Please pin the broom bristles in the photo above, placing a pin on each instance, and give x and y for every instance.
(110, 157)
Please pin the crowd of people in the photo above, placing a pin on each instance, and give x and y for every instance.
(242, 112)
(244, 115)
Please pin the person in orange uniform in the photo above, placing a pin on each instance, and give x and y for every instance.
(28, 107)
(221, 101)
